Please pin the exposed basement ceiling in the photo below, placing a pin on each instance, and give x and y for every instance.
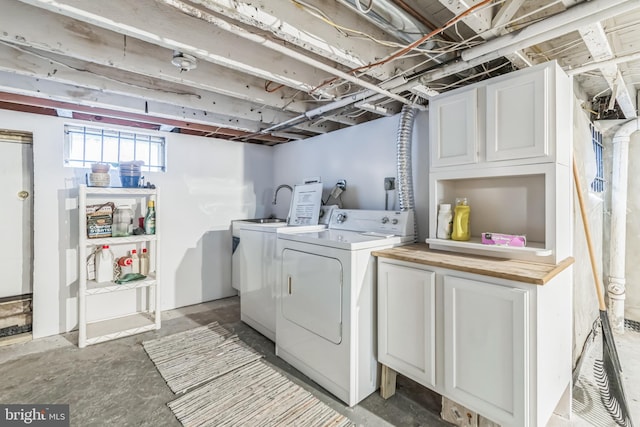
(272, 71)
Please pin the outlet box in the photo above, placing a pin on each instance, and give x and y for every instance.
(390, 183)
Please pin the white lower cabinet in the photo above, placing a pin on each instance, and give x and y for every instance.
(406, 329)
(486, 332)
(499, 347)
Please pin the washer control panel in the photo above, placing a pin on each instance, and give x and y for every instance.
(397, 223)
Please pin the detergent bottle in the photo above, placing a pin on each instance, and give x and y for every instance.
(445, 219)
(461, 229)
(104, 265)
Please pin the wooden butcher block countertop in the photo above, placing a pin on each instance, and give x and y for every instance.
(520, 271)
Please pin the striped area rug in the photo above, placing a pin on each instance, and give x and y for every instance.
(254, 395)
(224, 383)
(191, 358)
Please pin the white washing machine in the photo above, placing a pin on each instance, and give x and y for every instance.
(326, 305)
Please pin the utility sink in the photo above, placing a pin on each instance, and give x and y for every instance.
(265, 220)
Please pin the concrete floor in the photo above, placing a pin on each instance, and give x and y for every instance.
(115, 383)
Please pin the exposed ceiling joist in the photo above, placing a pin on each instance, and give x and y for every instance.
(596, 41)
(41, 103)
(539, 32)
(313, 32)
(296, 67)
(158, 24)
(484, 23)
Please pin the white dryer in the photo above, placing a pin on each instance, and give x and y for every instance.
(326, 305)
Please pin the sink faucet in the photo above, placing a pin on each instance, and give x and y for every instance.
(275, 195)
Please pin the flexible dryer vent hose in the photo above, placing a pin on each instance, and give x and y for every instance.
(405, 176)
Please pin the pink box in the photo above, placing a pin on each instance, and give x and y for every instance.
(504, 240)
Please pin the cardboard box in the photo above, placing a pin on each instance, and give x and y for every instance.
(99, 220)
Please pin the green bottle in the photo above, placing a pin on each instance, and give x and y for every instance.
(150, 218)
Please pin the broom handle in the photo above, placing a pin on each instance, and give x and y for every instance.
(587, 233)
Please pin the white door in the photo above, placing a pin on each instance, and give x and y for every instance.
(485, 348)
(406, 321)
(517, 117)
(453, 124)
(16, 215)
(312, 294)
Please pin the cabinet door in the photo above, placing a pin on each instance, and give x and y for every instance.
(406, 321)
(517, 117)
(454, 129)
(486, 340)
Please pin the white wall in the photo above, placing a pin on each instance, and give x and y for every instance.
(208, 183)
(363, 155)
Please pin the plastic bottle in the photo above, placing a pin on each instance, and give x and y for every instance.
(104, 265)
(122, 221)
(144, 262)
(150, 218)
(135, 261)
(461, 229)
(445, 222)
(125, 265)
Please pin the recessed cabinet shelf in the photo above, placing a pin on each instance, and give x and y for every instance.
(534, 248)
(145, 291)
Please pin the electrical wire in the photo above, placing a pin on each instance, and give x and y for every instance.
(364, 11)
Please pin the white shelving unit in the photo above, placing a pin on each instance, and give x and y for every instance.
(93, 332)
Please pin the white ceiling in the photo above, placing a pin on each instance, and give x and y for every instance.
(271, 71)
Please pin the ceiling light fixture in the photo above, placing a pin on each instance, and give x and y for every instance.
(183, 61)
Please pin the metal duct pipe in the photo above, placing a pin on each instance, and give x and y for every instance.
(616, 288)
(386, 16)
(405, 175)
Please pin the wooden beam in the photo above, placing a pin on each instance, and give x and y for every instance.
(157, 24)
(296, 24)
(106, 80)
(51, 105)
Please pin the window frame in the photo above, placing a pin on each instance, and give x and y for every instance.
(119, 136)
(597, 185)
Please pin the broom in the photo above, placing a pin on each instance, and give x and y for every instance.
(607, 371)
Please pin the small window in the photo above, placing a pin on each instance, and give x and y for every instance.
(597, 184)
(86, 145)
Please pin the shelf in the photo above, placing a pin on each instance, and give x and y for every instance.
(94, 288)
(533, 248)
(121, 240)
(119, 327)
(148, 318)
(120, 191)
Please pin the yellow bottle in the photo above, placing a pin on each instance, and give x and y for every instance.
(461, 229)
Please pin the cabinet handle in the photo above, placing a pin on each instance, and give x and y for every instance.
(289, 284)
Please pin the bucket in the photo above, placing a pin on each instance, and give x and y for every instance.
(130, 181)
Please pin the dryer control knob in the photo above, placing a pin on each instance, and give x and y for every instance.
(341, 218)
(385, 220)
(394, 221)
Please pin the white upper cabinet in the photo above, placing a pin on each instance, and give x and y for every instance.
(454, 129)
(517, 118)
